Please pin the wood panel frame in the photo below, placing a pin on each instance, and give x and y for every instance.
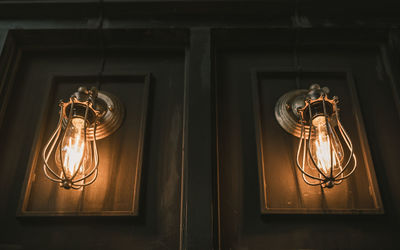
(82, 35)
(39, 140)
(366, 154)
(188, 226)
(10, 55)
(13, 43)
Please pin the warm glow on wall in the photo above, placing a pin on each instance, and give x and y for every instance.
(314, 118)
(70, 156)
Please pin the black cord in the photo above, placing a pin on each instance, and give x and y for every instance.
(296, 59)
(100, 33)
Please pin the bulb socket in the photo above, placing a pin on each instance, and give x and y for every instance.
(105, 111)
(293, 108)
(317, 109)
(79, 110)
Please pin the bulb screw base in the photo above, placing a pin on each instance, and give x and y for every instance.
(289, 107)
(106, 109)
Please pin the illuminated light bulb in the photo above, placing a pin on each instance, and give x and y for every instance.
(325, 154)
(70, 156)
(325, 147)
(75, 153)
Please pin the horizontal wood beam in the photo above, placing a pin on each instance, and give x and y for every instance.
(313, 12)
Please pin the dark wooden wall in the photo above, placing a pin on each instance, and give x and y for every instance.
(200, 186)
(241, 223)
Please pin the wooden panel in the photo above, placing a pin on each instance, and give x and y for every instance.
(242, 225)
(282, 189)
(158, 222)
(199, 155)
(116, 190)
(9, 59)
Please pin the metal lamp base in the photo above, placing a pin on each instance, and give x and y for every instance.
(286, 111)
(112, 118)
(108, 109)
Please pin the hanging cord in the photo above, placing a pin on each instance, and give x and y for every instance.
(296, 59)
(100, 33)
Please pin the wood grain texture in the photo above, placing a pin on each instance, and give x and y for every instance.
(157, 223)
(242, 225)
(154, 36)
(9, 59)
(116, 190)
(282, 188)
(199, 157)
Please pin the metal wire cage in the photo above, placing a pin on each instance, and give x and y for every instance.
(69, 148)
(321, 156)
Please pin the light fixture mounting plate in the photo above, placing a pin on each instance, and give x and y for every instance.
(112, 118)
(286, 111)
(111, 114)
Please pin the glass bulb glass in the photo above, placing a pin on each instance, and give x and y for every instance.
(321, 145)
(75, 153)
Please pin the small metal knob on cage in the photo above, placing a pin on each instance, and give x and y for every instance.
(70, 156)
(313, 117)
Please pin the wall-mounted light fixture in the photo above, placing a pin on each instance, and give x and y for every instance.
(314, 118)
(70, 156)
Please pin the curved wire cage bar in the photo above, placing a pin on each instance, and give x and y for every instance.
(93, 109)
(315, 103)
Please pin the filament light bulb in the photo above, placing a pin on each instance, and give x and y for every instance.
(325, 146)
(70, 156)
(74, 151)
(325, 154)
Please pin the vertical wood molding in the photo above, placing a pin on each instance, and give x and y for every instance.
(198, 157)
(3, 35)
(6, 60)
(391, 61)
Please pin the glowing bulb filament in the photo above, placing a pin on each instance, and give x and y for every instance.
(323, 154)
(73, 154)
(321, 147)
(73, 148)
